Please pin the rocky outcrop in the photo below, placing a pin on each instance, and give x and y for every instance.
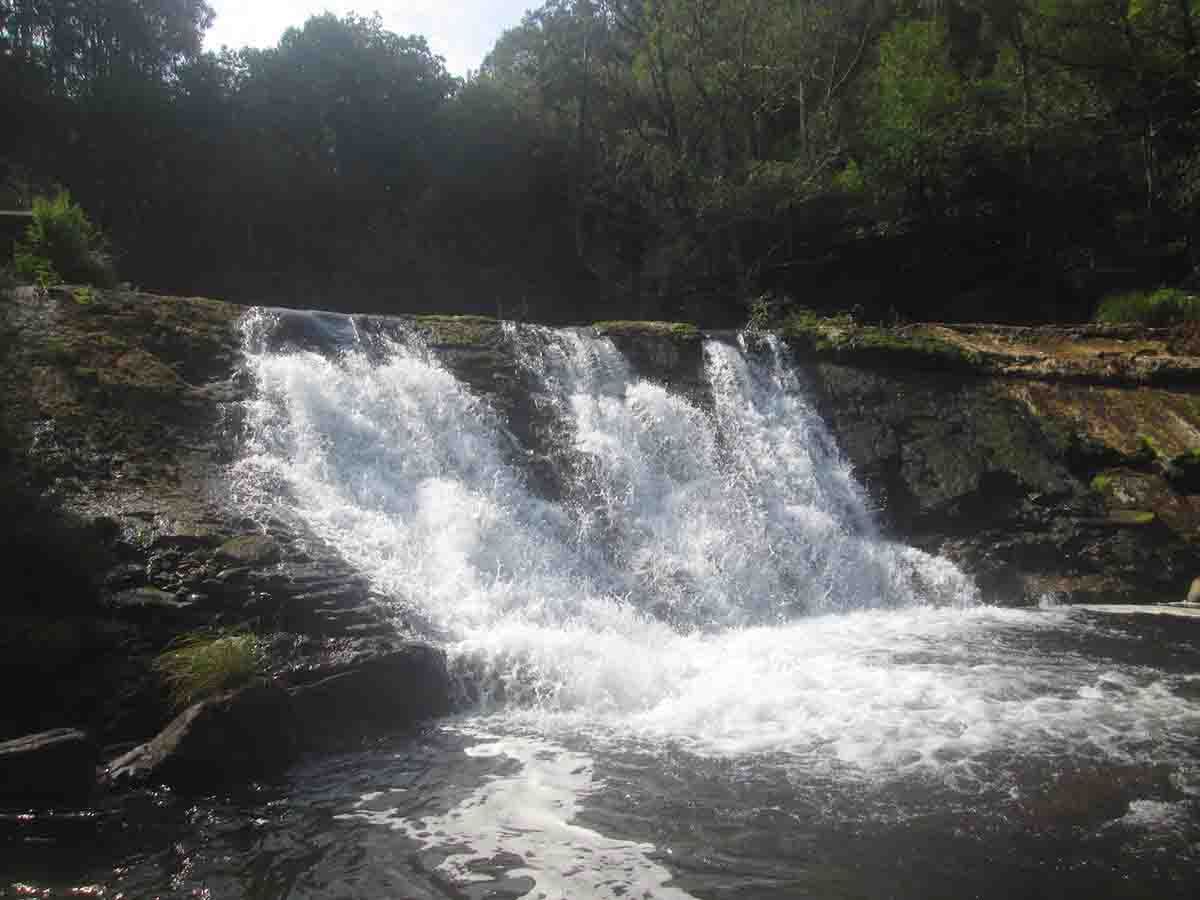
(668, 352)
(385, 691)
(122, 411)
(52, 768)
(235, 736)
(958, 464)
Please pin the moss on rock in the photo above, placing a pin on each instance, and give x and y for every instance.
(842, 339)
(675, 331)
(1132, 517)
(459, 331)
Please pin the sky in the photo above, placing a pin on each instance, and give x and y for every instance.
(462, 31)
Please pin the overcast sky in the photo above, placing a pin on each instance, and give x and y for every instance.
(462, 31)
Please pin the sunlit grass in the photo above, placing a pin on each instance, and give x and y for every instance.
(201, 664)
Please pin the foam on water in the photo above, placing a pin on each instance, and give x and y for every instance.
(524, 821)
(869, 694)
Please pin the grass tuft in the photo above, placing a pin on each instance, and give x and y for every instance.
(201, 664)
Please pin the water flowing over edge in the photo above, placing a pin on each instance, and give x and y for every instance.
(679, 525)
(706, 577)
(709, 574)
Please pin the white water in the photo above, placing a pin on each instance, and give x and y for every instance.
(713, 580)
(530, 818)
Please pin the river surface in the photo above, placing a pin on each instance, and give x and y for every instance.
(690, 664)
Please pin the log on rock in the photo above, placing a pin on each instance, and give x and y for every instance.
(232, 737)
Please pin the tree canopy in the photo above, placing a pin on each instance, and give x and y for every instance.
(1010, 159)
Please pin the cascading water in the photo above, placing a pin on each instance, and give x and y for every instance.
(676, 521)
(708, 586)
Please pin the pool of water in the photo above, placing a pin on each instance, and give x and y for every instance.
(911, 753)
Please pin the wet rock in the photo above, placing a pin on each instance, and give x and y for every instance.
(124, 576)
(964, 466)
(249, 550)
(147, 599)
(51, 768)
(393, 690)
(235, 736)
(154, 609)
(669, 352)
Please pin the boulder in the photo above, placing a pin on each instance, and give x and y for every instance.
(393, 690)
(52, 768)
(235, 736)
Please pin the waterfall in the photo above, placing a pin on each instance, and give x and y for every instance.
(680, 526)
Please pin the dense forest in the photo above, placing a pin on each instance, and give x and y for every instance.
(987, 159)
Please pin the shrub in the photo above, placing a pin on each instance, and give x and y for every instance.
(62, 245)
(1164, 306)
(201, 664)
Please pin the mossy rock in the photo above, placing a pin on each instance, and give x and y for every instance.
(459, 331)
(1131, 517)
(844, 340)
(675, 331)
(1108, 426)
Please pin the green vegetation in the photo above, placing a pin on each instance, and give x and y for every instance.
(84, 295)
(1165, 306)
(1134, 517)
(843, 337)
(62, 245)
(201, 664)
(642, 159)
(1147, 447)
(1101, 484)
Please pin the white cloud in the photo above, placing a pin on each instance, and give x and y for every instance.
(463, 31)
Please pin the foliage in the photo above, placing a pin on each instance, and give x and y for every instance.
(1165, 306)
(631, 158)
(62, 244)
(200, 664)
(1148, 447)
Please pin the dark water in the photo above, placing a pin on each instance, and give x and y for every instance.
(503, 804)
